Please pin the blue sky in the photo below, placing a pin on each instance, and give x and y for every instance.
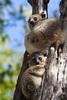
(53, 5)
(16, 32)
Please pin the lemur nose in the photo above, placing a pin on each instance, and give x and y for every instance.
(32, 22)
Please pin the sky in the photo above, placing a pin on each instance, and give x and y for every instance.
(16, 32)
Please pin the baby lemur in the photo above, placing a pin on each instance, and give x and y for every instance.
(34, 19)
(47, 33)
(32, 77)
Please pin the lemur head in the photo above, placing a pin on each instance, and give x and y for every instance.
(34, 19)
(37, 58)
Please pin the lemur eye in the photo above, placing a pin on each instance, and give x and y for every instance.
(35, 18)
(34, 60)
(40, 58)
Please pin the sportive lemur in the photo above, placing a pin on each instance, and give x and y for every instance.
(46, 33)
(32, 77)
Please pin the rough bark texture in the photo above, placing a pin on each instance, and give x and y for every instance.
(55, 88)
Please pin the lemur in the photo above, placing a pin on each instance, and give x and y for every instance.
(47, 33)
(32, 77)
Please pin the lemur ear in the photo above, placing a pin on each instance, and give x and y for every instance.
(43, 14)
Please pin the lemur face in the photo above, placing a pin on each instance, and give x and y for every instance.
(34, 19)
(37, 59)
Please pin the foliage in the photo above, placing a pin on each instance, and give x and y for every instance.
(10, 60)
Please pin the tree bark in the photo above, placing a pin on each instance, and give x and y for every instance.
(39, 6)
